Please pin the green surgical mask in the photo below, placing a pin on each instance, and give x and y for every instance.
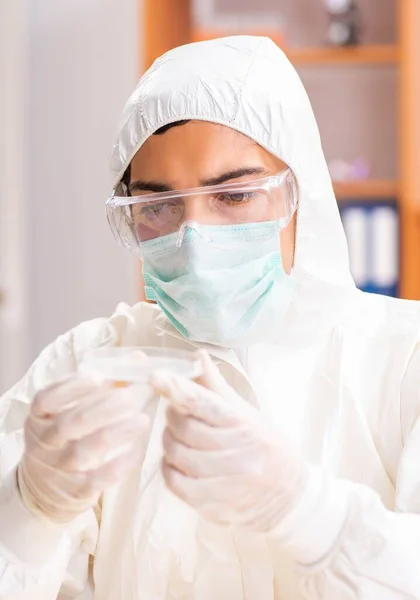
(223, 285)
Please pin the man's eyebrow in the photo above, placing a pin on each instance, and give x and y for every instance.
(140, 185)
(235, 174)
(149, 186)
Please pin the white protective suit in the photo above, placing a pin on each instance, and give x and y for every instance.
(343, 380)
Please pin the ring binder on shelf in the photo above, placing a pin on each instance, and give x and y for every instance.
(372, 230)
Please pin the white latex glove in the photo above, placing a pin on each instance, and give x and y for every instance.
(222, 457)
(81, 437)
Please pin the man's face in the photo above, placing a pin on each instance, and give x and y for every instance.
(200, 153)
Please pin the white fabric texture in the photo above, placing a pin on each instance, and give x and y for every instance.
(342, 381)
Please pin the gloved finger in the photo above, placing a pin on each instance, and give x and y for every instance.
(64, 394)
(201, 463)
(74, 486)
(94, 450)
(96, 412)
(62, 495)
(50, 434)
(196, 434)
(197, 492)
(179, 484)
(114, 471)
(193, 399)
(212, 379)
(49, 485)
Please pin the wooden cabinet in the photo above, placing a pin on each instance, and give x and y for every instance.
(409, 147)
(169, 23)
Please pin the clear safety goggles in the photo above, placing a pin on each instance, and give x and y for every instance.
(135, 220)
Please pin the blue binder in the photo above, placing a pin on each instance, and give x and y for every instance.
(372, 230)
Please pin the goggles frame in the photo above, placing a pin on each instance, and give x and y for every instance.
(266, 184)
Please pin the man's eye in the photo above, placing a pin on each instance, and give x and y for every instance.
(160, 211)
(153, 209)
(165, 210)
(239, 198)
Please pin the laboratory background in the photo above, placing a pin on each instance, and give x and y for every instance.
(66, 70)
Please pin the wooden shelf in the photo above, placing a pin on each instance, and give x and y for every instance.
(371, 189)
(168, 23)
(320, 55)
(202, 35)
(357, 55)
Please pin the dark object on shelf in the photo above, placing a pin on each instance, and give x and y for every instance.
(344, 27)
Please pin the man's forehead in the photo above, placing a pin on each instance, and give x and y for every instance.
(202, 147)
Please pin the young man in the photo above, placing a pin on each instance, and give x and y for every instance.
(288, 471)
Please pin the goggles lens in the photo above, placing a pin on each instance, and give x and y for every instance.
(142, 218)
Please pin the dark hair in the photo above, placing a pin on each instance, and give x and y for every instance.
(165, 128)
(126, 178)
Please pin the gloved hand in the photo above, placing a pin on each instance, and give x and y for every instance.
(81, 436)
(223, 457)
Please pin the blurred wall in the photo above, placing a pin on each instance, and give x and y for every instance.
(83, 61)
(13, 339)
